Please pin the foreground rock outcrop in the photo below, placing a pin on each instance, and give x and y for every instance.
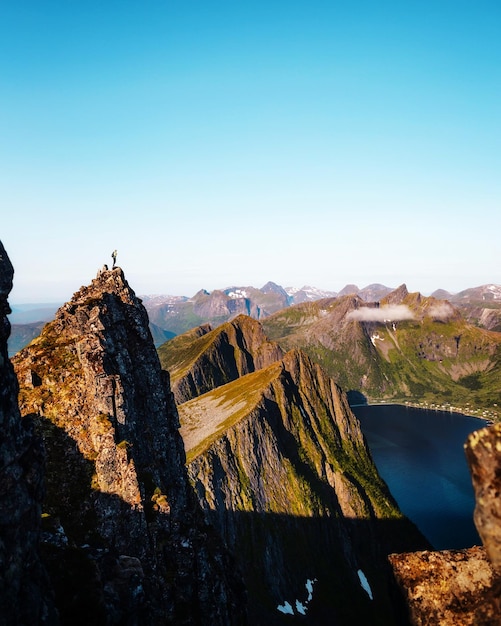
(462, 587)
(124, 538)
(25, 596)
(483, 452)
(280, 466)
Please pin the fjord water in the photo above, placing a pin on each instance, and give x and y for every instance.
(420, 455)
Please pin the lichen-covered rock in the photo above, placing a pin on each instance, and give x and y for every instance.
(449, 588)
(25, 596)
(119, 505)
(483, 451)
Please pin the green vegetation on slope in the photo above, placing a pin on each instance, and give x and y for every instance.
(225, 405)
(178, 354)
(424, 361)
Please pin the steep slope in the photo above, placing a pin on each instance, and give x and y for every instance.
(159, 335)
(22, 334)
(405, 347)
(280, 466)
(25, 595)
(204, 358)
(125, 539)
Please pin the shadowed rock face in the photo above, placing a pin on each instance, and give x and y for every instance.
(125, 539)
(24, 590)
(462, 587)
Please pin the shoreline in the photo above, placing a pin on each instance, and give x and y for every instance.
(487, 416)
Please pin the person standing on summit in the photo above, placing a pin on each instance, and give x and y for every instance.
(114, 257)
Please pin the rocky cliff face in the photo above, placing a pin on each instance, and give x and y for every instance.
(206, 358)
(462, 587)
(125, 540)
(280, 466)
(25, 596)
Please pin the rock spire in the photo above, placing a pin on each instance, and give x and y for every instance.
(119, 505)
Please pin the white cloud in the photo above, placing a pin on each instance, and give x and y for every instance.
(441, 311)
(390, 313)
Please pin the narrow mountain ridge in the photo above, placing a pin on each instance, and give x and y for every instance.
(280, 466)
(205, 358)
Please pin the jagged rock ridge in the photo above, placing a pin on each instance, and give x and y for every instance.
(280, 466)
(205, 358)
(118, 500)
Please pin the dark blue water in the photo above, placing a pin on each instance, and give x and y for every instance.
(420, 455)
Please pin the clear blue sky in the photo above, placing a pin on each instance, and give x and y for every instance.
(231, 143)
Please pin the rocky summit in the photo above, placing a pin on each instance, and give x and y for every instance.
(124, 540)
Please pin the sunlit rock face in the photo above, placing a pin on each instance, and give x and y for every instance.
(449, 587)
(124, 539)
(483, 452)
(462, 587)
(25, 596)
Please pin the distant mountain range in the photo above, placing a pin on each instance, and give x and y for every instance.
(172, 315)
(480, 305)
(404, 347)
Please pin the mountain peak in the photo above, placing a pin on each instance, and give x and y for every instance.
(349, 290)
(199, 361)
(397, 295)
(272, 287)
(279, 464)
(116, 476)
